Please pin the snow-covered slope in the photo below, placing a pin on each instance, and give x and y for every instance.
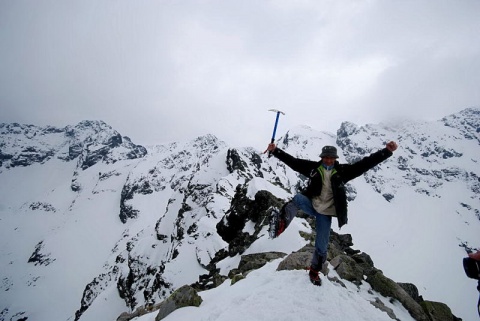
(267, 294)
(93, 225)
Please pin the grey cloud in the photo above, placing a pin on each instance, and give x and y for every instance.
(163, 71)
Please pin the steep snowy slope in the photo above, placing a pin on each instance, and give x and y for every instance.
(268, 295)
(93, 225)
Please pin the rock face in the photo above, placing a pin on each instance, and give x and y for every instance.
(438, 311)
(89, 142)
(182, 297)
(389, 288)
(242, 210)
(185, 296)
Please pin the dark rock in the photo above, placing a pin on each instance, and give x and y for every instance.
(128, 191)
(388, 197)
(438, 311)
(257, 260)
(42, 206)
(300, 260)
(364, 261)
(347, 268)
(183, 297)
(296, 261)
(92, 290)
(39, 258)
(389, 288)
(382, 307)
(74, 150)
(115, 141)
(242, 210)
(235, 162)
(236, 278)
(412, 290)
(31, 155)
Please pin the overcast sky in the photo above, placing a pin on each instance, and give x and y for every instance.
(163, 71)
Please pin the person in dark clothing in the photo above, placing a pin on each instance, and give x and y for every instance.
(472, 269)
(324, 197)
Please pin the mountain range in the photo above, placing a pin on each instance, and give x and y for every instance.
(93, 225)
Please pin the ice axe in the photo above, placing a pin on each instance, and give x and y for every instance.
(275, 127)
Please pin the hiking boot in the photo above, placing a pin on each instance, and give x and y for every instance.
(314, 277)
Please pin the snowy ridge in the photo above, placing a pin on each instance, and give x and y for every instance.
(89, 141)
(267, 294)
(105, 226)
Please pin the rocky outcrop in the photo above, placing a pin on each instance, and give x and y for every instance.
(352, 266)
(389, 288)
(183, 297)
(243, 209)
(255, 261)
(241, 163)
(89, 142)
(127, 211)
(438, 311)
(38, 257)
(93, 289)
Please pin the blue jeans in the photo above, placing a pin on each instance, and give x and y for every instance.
(323, 224)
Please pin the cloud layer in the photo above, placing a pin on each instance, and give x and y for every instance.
(161, 71)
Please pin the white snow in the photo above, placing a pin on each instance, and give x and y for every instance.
(270, 295)
(413, 238)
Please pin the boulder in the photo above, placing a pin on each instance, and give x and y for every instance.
(412, 290)
(255, 261)
(347, 268)
(438, 311)
(389, 288)
(295, 261)
(300, 260)
(182, 297)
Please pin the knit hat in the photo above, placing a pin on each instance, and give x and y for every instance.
(329, 151)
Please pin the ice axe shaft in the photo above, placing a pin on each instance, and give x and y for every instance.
(276, 124)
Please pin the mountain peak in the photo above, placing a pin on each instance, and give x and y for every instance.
(466, 121)
(93, 141)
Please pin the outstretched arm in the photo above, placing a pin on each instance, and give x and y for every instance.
(303, 166)
(368, 162)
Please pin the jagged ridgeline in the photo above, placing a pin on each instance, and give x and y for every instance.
(106, 226)
(88, 143)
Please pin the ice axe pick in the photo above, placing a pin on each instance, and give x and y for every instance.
(276, 124)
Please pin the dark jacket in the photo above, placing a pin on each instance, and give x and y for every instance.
(341, 174)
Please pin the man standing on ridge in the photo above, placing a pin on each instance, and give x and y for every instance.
(325, 194)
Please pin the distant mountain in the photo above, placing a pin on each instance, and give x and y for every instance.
(88, 142)
(93, 225)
